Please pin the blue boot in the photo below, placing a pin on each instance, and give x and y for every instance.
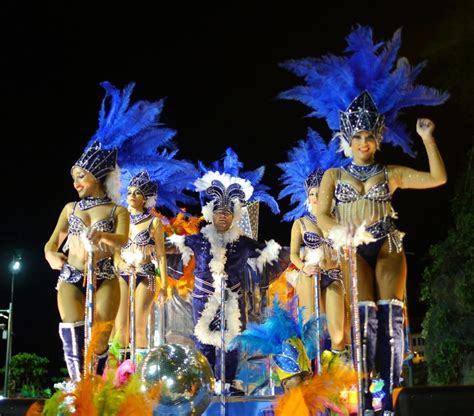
(72, 336)
(390, 347)
(101, 362)
(368, 337)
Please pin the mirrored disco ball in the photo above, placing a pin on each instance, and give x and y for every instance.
(186, 379)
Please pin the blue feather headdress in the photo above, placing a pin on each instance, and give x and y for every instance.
(171, 177)
(307, 161)
(143, 144)
(273, 337)
(333, 82)
(231, 165)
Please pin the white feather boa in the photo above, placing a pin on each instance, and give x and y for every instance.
(343, 236)
(205, 182)
(218, 242)
(269, 254)
(178, 241)
(313, 256)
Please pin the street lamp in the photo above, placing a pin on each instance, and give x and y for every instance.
(15, 267)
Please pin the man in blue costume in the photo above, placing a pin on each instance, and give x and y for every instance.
(221, 251)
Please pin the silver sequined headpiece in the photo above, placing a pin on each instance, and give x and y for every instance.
(224, 197)
(362, 114)
(96, 161)
(143, 182)
(313, 180)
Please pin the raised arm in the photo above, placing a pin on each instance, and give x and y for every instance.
(56, 260)
(326, 195)
(403, 177)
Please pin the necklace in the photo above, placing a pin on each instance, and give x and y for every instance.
(363, 172)
(137, 218)
(91, 202)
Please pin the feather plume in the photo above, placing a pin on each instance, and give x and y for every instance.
(332, 82)
(94, 395)
(321, 392)
(36, 409)
(303, 159)
(267, 338)
(143, 143)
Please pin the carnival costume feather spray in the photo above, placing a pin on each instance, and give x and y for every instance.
(119, 392)
(231, 165)
(306, 164)
(333, 82)
(291, 345)
(220, 258)
(364, 90)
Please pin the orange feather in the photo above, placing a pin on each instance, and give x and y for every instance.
(36, 409)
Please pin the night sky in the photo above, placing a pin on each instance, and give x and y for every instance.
(218, 69)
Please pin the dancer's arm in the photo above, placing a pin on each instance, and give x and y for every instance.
(56, 260)
(121, 264)
(119, 237)
(404, 177)
(295, 247)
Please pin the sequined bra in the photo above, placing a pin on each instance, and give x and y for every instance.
(311, 239)
(77, 225)
(346, 193)
(141, 239)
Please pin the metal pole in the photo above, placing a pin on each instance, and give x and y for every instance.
(133, 344)
(317, 313)
(162, 322)
(222, 352)
(8, 355)
(89, 312)
(356, 324)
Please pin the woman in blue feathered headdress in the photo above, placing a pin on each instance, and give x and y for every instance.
(148, 168)
(95, 222)
(360, 95)
(302, 176)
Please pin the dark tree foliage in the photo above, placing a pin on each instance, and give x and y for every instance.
(28, 375)
(448, 289)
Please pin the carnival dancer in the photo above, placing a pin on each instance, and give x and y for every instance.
(221, 251)
(96, 222)
(360, 95)
(311, 253)
(149, 167)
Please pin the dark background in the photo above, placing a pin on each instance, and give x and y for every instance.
(217, 66)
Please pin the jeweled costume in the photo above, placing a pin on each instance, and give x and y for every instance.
(364, 90)
(218, 254)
